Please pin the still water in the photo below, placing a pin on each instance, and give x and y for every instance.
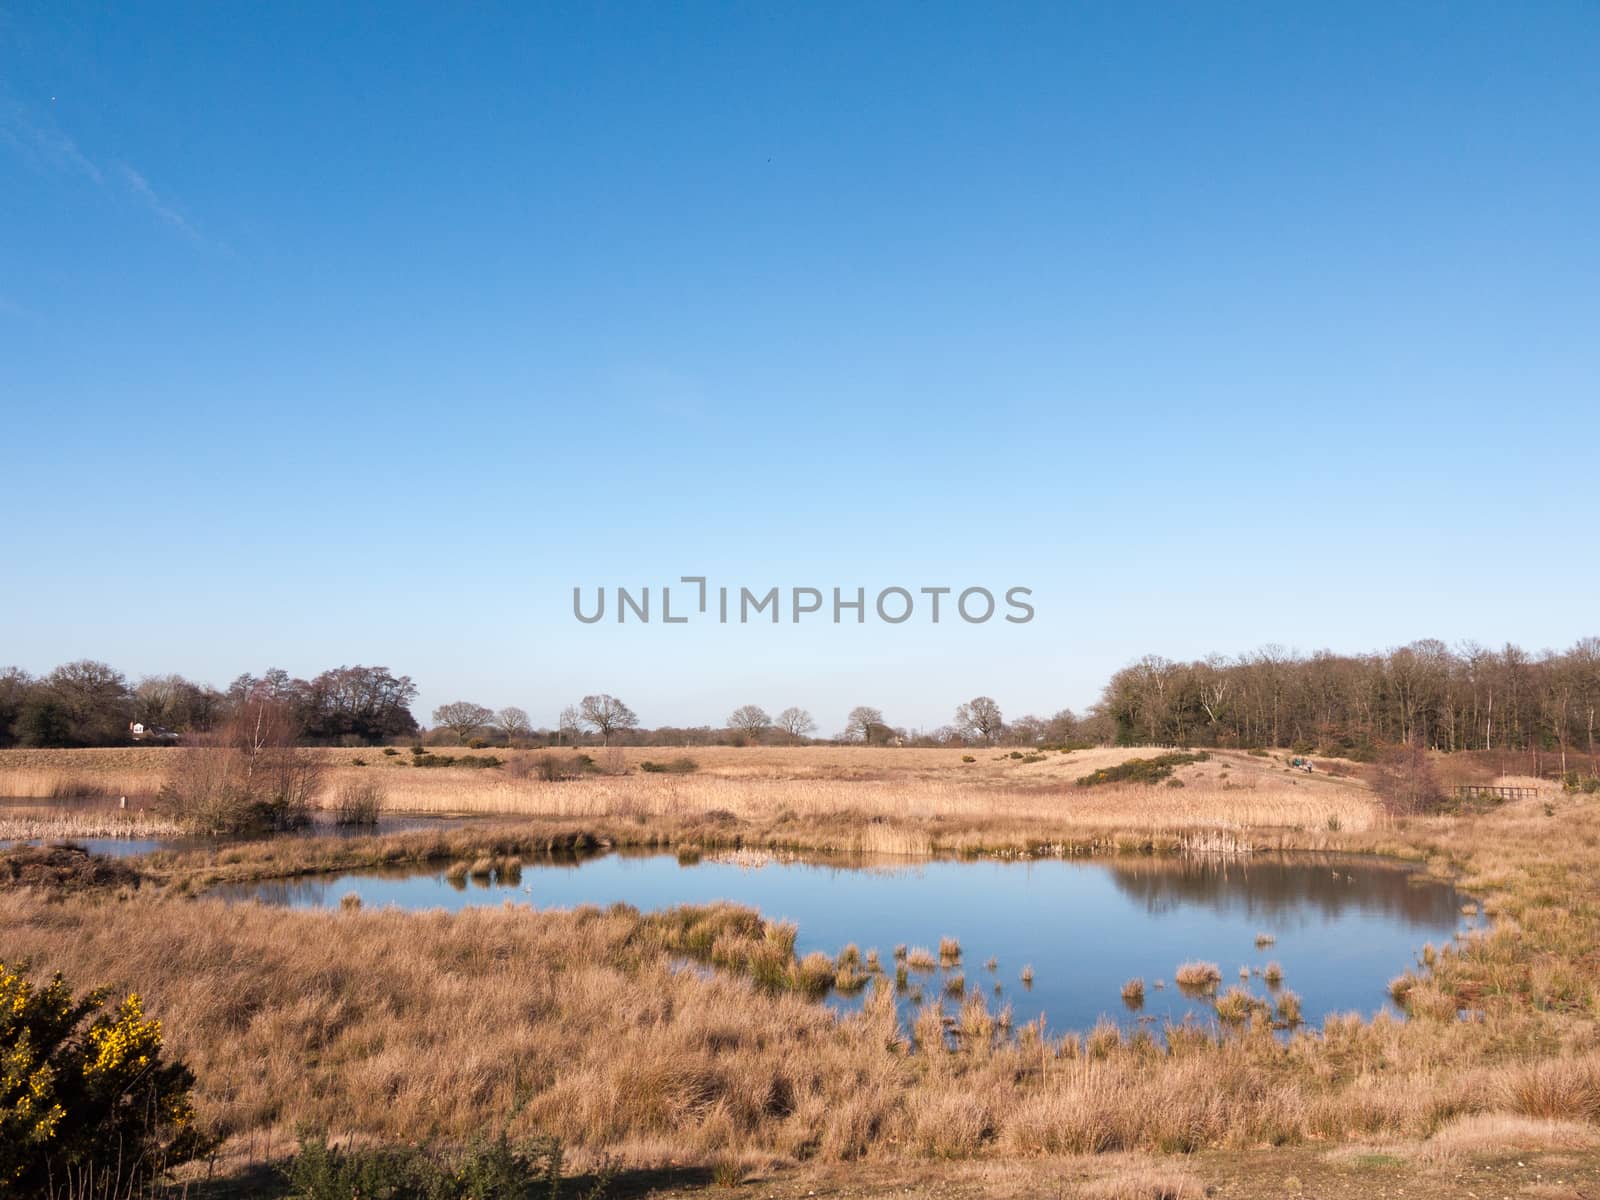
(1342, 927)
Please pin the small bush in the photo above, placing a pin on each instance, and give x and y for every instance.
(553, 768)
(358, 802)
(390, 752)
(682, 765)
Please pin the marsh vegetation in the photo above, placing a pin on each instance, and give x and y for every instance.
(587, 1025)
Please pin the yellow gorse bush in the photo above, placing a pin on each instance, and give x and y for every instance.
(128, 1043)
(80, 1086)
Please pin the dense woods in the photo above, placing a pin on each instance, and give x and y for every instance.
(1423, 694)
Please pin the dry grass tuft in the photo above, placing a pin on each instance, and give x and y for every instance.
(1484, 1134)
(1146, 1183)
(1558, 1088)
(1198, 976)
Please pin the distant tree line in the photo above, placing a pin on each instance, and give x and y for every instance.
(88, 703)
(1424, 694)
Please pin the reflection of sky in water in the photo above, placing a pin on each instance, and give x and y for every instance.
(1343, 928)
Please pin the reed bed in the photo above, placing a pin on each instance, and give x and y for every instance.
(51, 825)
(1207, 807)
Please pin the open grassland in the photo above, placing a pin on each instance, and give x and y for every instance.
(794, 785)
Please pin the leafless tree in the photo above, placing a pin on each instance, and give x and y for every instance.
(571, 725)
(980, 718)
(796, 722)
(751, 720)
(462, 717)
(513, 722)
(864, 724)
(1405, 783)
(606, 715)
(249, 776)
(1027, 731)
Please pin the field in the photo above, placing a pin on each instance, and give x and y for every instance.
(387, 1026)
(925, 792)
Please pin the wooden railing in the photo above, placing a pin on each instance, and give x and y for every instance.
(1485, 791)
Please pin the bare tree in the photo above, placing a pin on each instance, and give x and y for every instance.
(751, 720)
(864, 724)
(1027, 731)
(513, 722)
(980, 718)
(571, 725)
(248, 777)
(606, 715)
(462, 717)
(1405, 782)
(796, 722)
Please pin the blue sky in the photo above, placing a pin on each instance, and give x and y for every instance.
(364, 337)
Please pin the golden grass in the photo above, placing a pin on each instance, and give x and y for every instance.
(1482, 1134)
(53, 825)
(803, 783)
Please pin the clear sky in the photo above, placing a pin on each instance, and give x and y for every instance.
(364, 336)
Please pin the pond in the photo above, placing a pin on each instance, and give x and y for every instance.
(1341, 927)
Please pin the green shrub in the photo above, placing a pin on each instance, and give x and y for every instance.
(497, 1169)
(1142, 770)
(483, 762)
(390, 752)
(85, 1092)
(683, 765)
